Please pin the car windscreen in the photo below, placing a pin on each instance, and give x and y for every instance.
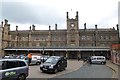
(52, 60)
(100, 58)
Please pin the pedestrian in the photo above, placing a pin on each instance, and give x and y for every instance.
(29, 58)
(78, 58)
(18, 57)
(85, 59)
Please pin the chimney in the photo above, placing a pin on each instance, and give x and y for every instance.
(30, 27)
(117, 26)
(67, 15)
(113, 28)
(16, 28)
(49, 27)
(33, 27)
(55, 26)
(77, 15)
(85, 26)
(95, 26)
(2, 24)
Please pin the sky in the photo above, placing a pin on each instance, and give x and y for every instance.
(43, 13)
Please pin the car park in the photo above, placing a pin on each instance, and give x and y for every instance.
(97, 60)
(15, 69)
(54, 64)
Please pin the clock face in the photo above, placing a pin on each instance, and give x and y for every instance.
(72, 25)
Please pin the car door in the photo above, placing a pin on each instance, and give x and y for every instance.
(8, 70)
(60, 66)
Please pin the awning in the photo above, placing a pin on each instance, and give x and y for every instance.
(60, 49)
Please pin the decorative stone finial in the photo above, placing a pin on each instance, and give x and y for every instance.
(49, 27)
(55, 26)
(16, 28)
(6, 21)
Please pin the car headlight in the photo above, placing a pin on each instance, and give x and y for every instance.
(51, 66)
(41, 65)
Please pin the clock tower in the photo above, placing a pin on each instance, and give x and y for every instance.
(73, 31)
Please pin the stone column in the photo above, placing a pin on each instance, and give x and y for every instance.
(67, 55)
(1, 52)
(79, 54)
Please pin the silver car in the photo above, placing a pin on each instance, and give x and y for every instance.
(15, 69)
(35, 59)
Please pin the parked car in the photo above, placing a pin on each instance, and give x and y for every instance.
(54, 64)
(15, 69)
(10, 57)
(98, 59)
(35, 59)
(44, 58)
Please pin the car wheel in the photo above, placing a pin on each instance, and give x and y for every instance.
(102, 62)
(55, 71)
(43, 71)
(21, 77)
(63, 69)
(37, 63)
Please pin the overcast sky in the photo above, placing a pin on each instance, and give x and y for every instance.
(43, 13)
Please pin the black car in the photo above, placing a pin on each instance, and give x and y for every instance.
(54, 64)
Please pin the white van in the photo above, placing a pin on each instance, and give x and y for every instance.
(98, 59)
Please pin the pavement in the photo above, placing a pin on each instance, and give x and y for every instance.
(114, 67)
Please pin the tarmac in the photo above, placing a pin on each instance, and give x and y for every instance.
(78, 64)
(74, 65)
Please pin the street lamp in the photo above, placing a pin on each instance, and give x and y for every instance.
(43, 43)
(43, 50)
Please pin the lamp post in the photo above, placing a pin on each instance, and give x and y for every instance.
(94, 38)
(43, 47)
(43, 50)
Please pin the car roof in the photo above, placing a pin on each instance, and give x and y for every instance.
(57, 56)
(11, 59)
(97, 56)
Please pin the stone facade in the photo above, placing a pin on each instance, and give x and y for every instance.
(72, 37)
(1, 39)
